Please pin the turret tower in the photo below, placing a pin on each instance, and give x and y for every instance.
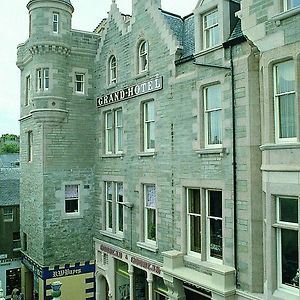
(57, 107)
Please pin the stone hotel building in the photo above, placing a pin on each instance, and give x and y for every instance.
(160, 154)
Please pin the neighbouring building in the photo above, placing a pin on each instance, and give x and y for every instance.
(159, 152)
(10, 242)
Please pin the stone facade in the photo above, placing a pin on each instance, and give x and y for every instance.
(136, 137)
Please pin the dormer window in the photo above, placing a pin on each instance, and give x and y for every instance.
(289, 4)
(55, 23)
(143, 57)
(211, 34)
(112, 69)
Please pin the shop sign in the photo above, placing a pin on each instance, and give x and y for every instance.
(149, 86)
(66, 272)
(139, 262)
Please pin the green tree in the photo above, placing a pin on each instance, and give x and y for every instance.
(9, 148)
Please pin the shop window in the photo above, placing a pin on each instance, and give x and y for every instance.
(148, 126)
(150, 213)
(80, 83)
(13, 280)
(211, 30)
(55, 19)
(72, 199)
(122, 280)
(289, 4)
(112, 69)
(8, 215)
(114, 131)
(114, 207)
(159, 289)
(287, 227)
(210, 206)
(27, 89)
(212, 116)
(42, 75)
(142, 56)
(284, 102)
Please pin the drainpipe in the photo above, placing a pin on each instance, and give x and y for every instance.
(234, 165)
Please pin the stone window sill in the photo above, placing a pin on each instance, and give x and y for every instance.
(147, 246)
(285, 14)
(212, 151)
(280, 146)
(147, 154)
(112, 235)
(117, 155)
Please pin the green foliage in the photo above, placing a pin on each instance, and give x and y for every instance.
(9, 137)
(9, 148)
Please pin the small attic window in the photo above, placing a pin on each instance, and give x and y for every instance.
(211, 31)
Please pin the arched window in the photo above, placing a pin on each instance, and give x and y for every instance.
(112, 69)
(143, 57)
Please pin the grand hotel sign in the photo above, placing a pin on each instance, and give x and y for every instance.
(149, 86)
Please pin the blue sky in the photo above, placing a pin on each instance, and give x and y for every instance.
(14, 30)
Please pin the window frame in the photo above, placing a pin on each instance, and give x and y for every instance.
(113, 133)
(55, 22)
(27, 89)
(115, 205)
(206, 113)
(204, 221)
(208, 30)
(147, 131)
(79, 83)
(276, 100)
(285, 5)
(143, 57)
(42, 79)
(8, 216)
(147, 208)
(279, 226)
(208, 230)
(112, 70)
(74, 213)
(189, 222)
(30, 146)
(17, 240)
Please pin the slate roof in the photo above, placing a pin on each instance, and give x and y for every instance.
(183, 29)
(9, 180)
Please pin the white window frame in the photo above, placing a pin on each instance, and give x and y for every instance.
(75, 213)
(43, 79)
(113, 132)
(118, 130)
(208, 231)
(113, 202)
(8, 216)
(146, 210)
(277, 96)
(286, 6)
(148, 125)
(204, 219)
(27, 89)
(189, 223)
(206, 117)
(279, 225)
(143, 56)
(79, 83)
(109, 205)
(55, 22)
(112, 65)
(208, 31)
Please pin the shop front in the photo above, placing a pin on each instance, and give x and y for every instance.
(78, 281)
(123, 275)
